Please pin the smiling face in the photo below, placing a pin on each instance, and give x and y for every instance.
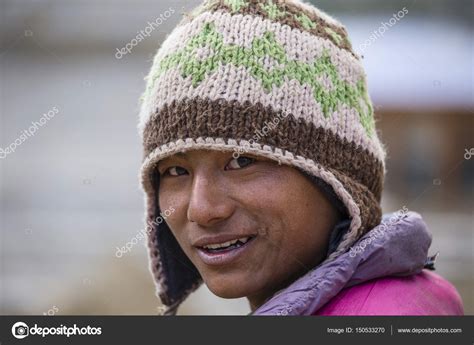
(281, 217)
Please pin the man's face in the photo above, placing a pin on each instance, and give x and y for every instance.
(281, 217)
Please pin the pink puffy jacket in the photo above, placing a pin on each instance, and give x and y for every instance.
(425, 293)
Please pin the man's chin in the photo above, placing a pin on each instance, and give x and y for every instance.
(230, 287)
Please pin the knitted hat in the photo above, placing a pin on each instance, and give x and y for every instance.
(272, 78)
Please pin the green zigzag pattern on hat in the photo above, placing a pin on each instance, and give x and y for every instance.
(305, 73)
(272, 10)
(236, 5)
(277, 11)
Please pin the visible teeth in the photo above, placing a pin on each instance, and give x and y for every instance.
(226, 244)
(244, 239)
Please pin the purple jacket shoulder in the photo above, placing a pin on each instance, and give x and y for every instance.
(425, 293)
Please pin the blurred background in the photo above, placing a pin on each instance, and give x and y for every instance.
(70, 194)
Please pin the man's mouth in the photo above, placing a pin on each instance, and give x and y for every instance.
(227, 246)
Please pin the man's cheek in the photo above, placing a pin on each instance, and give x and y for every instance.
(183, 236)
(174, 214)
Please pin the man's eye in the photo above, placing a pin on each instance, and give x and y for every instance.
(239, 163)
(175, 171)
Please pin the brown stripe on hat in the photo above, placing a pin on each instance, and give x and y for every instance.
(194, 118)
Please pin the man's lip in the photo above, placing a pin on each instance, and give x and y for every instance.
(217, 239)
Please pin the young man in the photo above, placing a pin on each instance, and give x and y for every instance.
(263, 171)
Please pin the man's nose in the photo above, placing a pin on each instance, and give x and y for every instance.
(209, 202)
